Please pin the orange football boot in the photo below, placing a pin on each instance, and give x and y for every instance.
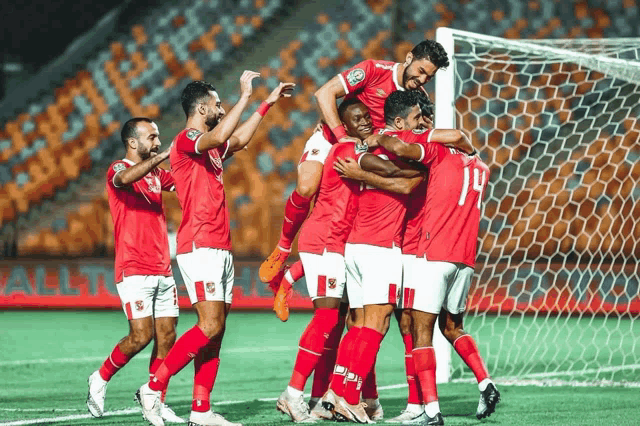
(270, 267)
(281, 301)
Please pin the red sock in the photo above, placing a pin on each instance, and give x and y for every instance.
(206, 366)
(324, 368)
(468, 351)
(113, 363)
(293, 274)
(154, 363)
(363, 356)
(369, 385)
(424, 360)
(312, 343)
(295, 212)
(415, 395)
(342, 361)
(185, 349)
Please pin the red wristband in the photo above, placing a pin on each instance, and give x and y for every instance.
(339, 132)
(263, 108)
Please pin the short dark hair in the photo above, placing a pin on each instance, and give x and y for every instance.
(399, 104)
(426, 106)
(130, 129)
(193, 94)
(342, 109)
(433, 51)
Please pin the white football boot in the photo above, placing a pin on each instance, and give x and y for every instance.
(209, 418)
(374, 409)
(412, 415)
(351, 413)
(96, 395)
(169, 416)
(318, 411)
(295, 407)
(151, 405)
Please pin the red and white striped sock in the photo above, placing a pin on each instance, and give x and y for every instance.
(363, 357)
(295, 212)
(113, 363)
(466, 347)
(324, 368)
(424, 360)
(341, 367)
(415, 394)
(206, 365)
(154, 363)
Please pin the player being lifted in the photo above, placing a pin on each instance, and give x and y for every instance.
(443, 269)
(373, 258)
(371, 81)
(204, 237)
(321, 247)
(142, 267)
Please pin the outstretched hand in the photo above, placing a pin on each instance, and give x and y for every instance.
(246, 80)
(348, 168)
(282, 91)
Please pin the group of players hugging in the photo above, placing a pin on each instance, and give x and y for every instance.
(393, 232)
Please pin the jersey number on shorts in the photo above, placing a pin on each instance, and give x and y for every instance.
(478, 185)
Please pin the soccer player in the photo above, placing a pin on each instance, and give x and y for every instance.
(443, 269)
(321, 247)
(204, 238)
(373, 258)
(143, 269)
(370, 81)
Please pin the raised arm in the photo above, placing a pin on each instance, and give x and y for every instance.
(221, 133)
(243, 134)
(453, 138)
(136, 172)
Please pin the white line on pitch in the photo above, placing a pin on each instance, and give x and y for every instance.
(88, 359)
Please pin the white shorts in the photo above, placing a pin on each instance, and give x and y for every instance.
(444, 285)
(409, 280)
(316, 149)
(208, 274)
(374, 275)
(148, 295)
(325, 274)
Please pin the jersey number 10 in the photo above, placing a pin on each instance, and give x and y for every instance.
(478, 185)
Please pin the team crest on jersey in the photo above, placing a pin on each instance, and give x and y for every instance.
(153, 183)
(381, 93)
(355, 76)
(139, 305)
(211, 287)
(118, 167)
(361, 147)
(193, 134)
(332, 283)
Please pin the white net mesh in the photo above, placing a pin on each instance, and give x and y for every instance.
(556, 288)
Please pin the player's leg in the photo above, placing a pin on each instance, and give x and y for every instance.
(297, 207)
(285, 288)
(136, 293)
(325, 283)
(451, 325)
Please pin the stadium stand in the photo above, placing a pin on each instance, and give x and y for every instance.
(63, 137)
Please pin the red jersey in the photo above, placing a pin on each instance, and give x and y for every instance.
(457, 183)
(380, 219)
(335, 209)
(413, 219)
(198, 176)
(141, 241)
(372, 82)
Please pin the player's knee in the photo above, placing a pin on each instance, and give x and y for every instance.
(405, 324)
(450, 331)
(166, 336)
(306, 189)
(212, 328)
(141, 337)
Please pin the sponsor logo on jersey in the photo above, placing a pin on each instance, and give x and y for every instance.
(332, 283)
(315, 151)
(381, 93)
(384, 67)
(355, 76)
(139, 305)
(118, 167)
(153, 183)
(193, 134)
(211, 287)
(419, 131)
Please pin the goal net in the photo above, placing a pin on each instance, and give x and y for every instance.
(556, 289)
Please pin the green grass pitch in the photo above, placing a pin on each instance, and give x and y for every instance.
(46, 357)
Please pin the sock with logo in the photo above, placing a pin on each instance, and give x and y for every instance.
(295, 212)
(185, 349)
(342, 361)
(312, 343)
(363, 357)
(324, 368)
(114, 362)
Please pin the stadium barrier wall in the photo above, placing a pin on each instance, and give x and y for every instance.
(539, 288)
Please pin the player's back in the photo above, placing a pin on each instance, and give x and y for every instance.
(199, 186)
(372, 81)
(380, 218)
(335, 207)
(457, 183)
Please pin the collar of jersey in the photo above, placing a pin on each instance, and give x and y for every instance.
(129, 162)
(395, 76)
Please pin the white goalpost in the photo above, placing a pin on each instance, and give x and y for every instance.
(556, 288)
